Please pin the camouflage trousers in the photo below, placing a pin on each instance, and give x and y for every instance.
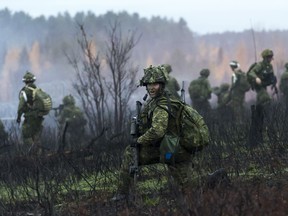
(180, 171)
(31, 132)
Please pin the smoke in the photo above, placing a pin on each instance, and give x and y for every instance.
(34, 58)
(9, 70)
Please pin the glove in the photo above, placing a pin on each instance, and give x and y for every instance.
(134, 143)
(18, 120)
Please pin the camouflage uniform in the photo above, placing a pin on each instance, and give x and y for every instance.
(200, 92)
(264, 71)
(73, 116)
(172, 84)
(263, 113)
(223, 100)
(239, 87)
(32, 126)
(155, 122)
(3, 133)
(284, 84)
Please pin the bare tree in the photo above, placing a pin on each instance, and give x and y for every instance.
(89, 84)
(118, 57)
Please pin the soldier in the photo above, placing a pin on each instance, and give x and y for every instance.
(239, 87)
(155, 122)
(172, 84)
(200, 93)
(72, 115)
(223, 95)
(284, 85)
(32, 126)
(261, 75)
(3, 134)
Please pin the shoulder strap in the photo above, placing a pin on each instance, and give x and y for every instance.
(33, 91)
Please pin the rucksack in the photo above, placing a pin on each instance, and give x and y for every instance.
(250, 78)
(192, 132)
(41, 101)
(198, 90)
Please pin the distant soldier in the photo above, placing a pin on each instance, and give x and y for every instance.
(72, 115)
(284, 85)
(3, 134)
(32, 126)
(223, 95)
(172, 84)
(239, 87)
(261, 75)
(200, 92)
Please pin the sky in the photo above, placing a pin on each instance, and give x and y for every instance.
(202, 16)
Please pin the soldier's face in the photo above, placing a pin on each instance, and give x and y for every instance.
(153, 89)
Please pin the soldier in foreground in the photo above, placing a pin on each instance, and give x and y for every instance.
(156, 121)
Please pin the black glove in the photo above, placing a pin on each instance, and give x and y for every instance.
(18, 120)
(134, 143)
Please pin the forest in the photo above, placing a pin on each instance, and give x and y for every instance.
(99, 60)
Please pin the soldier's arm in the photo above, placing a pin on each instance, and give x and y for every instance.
(21, 106)
(158, 128)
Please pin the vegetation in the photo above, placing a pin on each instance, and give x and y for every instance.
(82, 182)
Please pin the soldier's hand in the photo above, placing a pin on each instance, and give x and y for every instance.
(134, 143)
(18, 120)
(258, 81)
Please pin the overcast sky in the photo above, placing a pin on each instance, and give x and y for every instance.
(202, 16)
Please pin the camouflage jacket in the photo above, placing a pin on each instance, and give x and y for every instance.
(265, 72)
(173, 87)
(239, 86)
(200, 89)
(284, 83)
(156, 121)
(25, 100)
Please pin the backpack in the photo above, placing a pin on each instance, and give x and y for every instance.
(192, 132)
(250, 78)
(41, 101)
(198, 90)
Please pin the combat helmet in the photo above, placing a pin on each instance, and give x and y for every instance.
(167, 67)
(234, 64)
(68, 100)
(205, 72)
(28, 77)
(154, 74)
(267, 53)
(224, 87)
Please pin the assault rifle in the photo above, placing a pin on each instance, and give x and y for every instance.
(60, 108)
(134, 132)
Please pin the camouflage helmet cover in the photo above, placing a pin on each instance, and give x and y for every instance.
(267, 53)
(224, 87)
(28, 77)
(167, 67)
(157, 74)
(205, 72)
(68, 100)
